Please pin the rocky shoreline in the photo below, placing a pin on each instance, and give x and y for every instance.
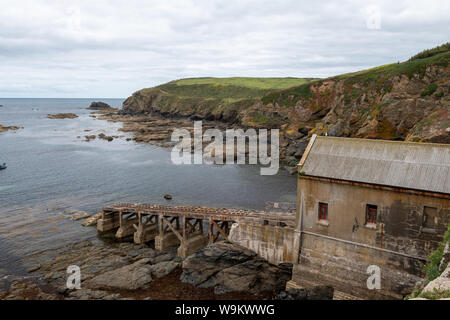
(121, 270)
(156, 129)
(128, 271)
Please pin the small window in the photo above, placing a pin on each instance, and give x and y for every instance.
(323, 211)
(429, 217)
(371, 214)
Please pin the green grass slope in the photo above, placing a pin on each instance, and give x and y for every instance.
(208, 95)
(378, 77)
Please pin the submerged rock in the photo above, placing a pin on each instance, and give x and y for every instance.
(105, 137)
(91, 137)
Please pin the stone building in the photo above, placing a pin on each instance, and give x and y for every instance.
(370, 202)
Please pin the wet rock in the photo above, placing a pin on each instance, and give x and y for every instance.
(99, 106)
(92, 220)
(62, 116)
(167, 197)
(320, 293)
(164, 268)
(231, 268)
(105, 137)
(169, 254)
(80, 216)
(25, 290)
(12, 128)
(313, 293)
(252, 276)
(130, 277)
(200, 268)
(34, 268)
(91, 137)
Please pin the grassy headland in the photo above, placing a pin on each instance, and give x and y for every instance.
(403, 101)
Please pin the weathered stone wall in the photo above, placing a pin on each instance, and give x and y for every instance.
(344, 266)
(400, 216)
(273, 243)
(338, 251)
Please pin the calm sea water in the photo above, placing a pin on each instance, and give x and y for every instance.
(51, 171)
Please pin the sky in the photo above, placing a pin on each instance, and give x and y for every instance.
(113, 48)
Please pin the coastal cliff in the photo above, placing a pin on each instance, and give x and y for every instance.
(400, 101)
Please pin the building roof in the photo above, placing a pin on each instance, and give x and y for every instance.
(411, 165)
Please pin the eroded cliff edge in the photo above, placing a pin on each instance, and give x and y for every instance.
(400, 101)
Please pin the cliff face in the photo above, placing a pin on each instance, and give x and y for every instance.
(401, 101)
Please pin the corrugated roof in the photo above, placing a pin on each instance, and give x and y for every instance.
(422, 166)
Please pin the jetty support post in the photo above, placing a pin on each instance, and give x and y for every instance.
(222, 230)
(193, 238)
(127, 220)
(167, 239)
(108, 221)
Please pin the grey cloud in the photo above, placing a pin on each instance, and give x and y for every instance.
(112, 48)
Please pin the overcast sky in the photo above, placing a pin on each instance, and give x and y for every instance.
(113, 48)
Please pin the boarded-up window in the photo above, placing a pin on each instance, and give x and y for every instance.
(371, 213)
(323, 211)
(429, 217)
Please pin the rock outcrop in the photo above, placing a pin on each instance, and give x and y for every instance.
(105, 137)
(12, 128)
(62, 116)
(228, 267)
(319, 292)
(440, 284)
(131, 277)
(404, 101)
(99, 106)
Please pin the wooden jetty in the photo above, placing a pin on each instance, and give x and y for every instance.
(183, 225)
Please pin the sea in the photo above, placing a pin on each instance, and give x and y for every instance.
(53, 170)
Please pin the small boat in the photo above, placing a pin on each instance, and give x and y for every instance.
(3, 166)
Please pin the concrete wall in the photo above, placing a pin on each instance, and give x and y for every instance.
(344, 266)
(399, 228)
(273, 243)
